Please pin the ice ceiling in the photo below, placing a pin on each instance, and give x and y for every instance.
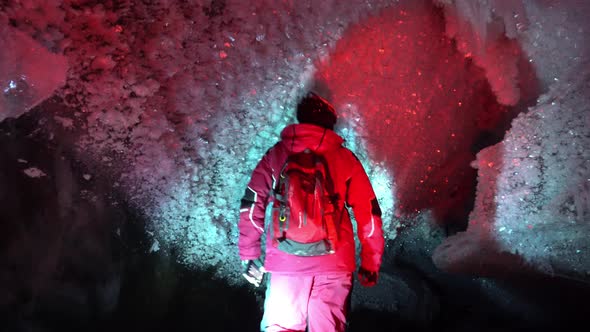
(178, 100)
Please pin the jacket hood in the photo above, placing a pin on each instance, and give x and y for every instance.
(301, 136)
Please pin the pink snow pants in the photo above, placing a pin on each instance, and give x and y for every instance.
(319, 302)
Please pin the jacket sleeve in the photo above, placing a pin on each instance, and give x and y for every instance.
(361, 198)
(252, 209)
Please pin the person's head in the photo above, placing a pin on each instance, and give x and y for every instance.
(316, 110)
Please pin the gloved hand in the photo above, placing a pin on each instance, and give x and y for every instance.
(253, 271)
(367, 278)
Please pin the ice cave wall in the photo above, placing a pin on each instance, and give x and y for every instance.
(532, 195)
(181, 99)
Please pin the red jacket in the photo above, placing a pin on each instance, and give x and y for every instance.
(350, 183)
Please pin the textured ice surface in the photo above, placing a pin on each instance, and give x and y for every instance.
(532, 198)
(420, 104)
(29, 73)
(542, 207)
(179, 100)
(486, 31)
(533, 189)
(186, 97)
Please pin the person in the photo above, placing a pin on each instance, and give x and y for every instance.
(311, 292)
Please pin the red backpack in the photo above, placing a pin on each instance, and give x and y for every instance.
(304, 208)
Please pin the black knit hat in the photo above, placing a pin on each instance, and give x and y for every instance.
(316, 110)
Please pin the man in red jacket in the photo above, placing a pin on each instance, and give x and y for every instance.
(311, 291)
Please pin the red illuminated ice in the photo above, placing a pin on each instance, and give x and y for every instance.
(29, 73)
